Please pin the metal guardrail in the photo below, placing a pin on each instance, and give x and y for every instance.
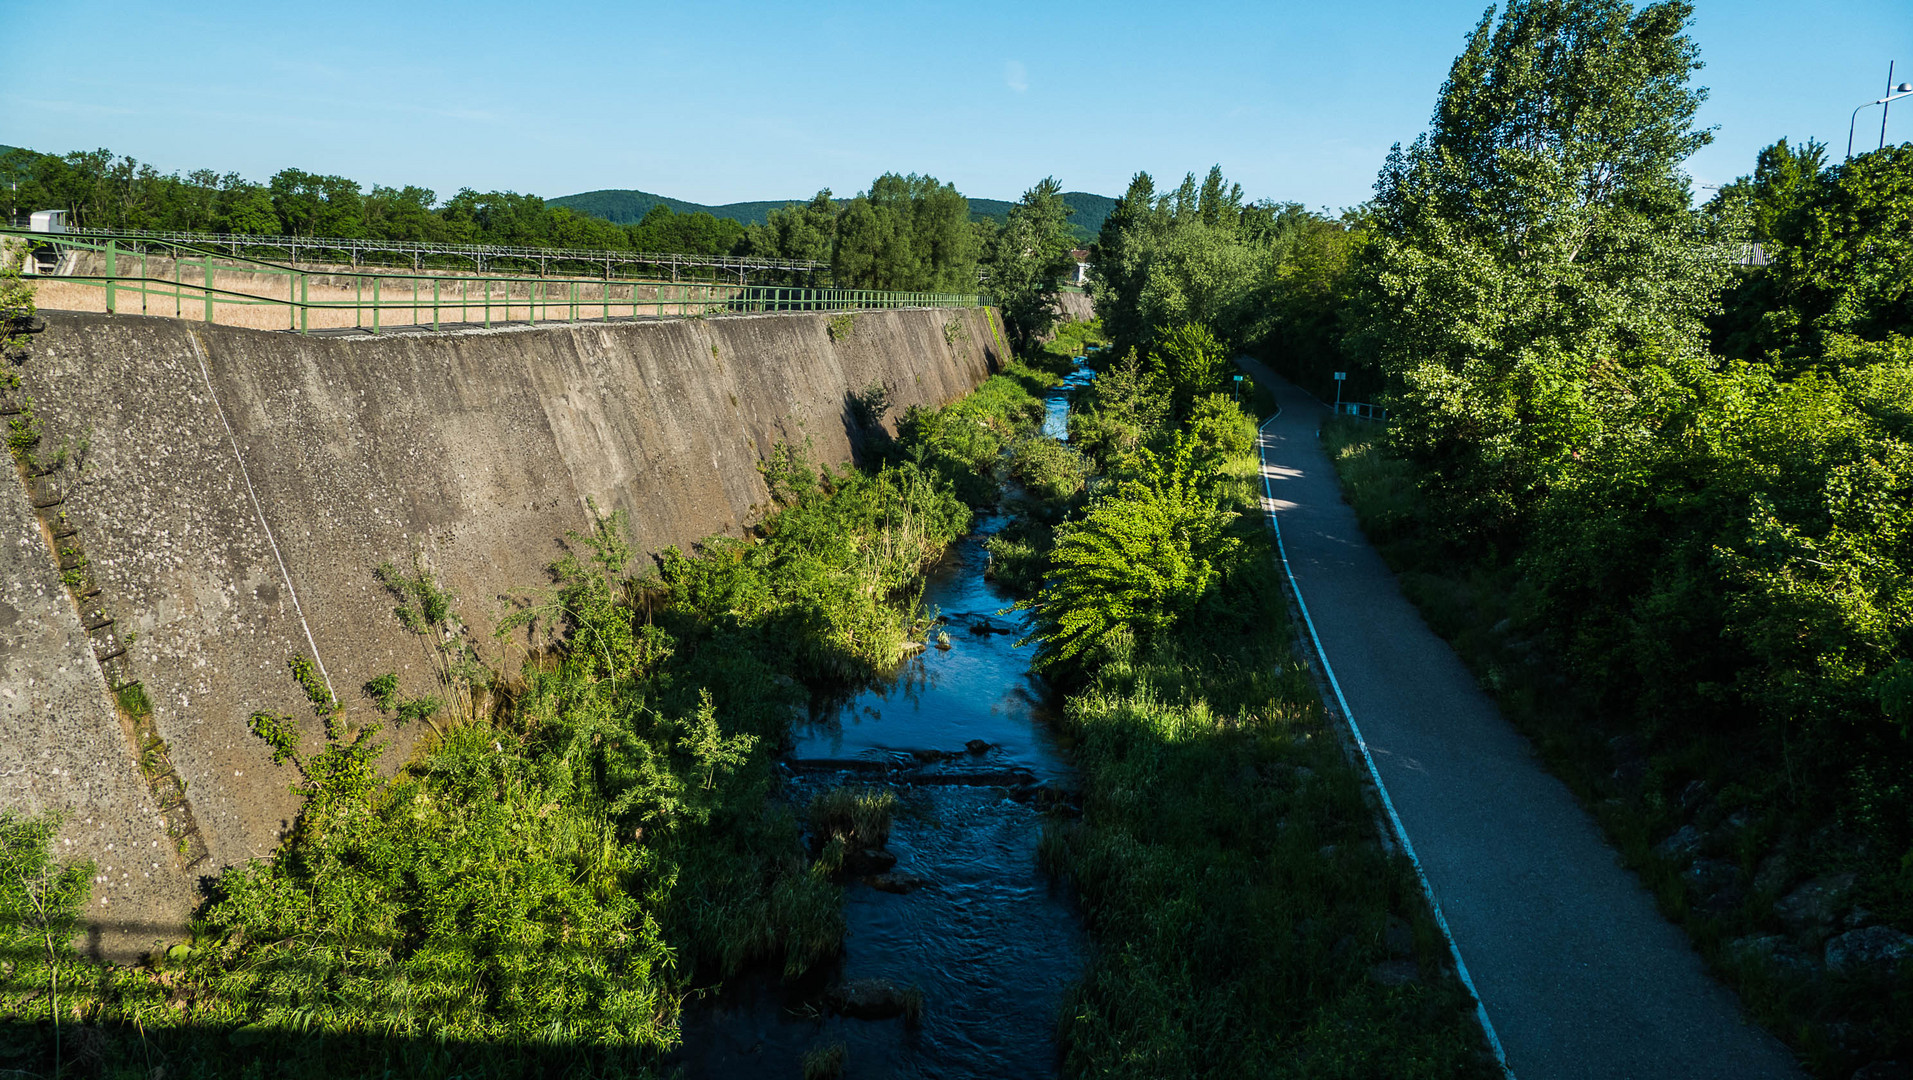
(476, 299)
(1362, 410)
(354, 249)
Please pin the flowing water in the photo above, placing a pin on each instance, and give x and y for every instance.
(964, 736)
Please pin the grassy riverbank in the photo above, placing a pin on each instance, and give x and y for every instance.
(577, 844)
(1247, 921)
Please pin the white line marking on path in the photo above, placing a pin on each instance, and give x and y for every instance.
(1270, 505)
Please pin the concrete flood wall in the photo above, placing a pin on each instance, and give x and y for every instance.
(238, 487)
(1075, 306)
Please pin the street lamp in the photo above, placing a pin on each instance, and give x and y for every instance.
(1895, 94)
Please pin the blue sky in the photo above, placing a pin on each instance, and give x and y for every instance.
(716, 101)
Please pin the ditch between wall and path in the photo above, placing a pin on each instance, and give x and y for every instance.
(1576, 970)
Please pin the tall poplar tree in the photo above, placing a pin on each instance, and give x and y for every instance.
(1029, 259)
(1536, 270)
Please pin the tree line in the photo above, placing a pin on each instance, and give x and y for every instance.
(905, 232)
(1658, 489)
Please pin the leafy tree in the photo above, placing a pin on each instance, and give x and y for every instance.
(312, 205)
(1199, 255)
(246, 209)
(401, 213)
(798, 231)
(1841, 264)
(1118, 271)
(906, 232)
(1782, 184)
(1533, 260)
(1028, 261)
(1192, 361)
(1140, 560)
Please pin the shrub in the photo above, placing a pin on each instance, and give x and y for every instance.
(1141, 558)
(859, 816)
(1051, 470)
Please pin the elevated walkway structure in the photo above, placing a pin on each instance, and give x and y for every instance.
(117, 274)
(479, 258)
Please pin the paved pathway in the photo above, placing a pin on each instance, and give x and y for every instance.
(1580, 974)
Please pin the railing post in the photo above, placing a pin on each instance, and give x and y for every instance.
(434, 305)
(305, 303)
(376, 282)
(112, 271)
(207, 262)
(488, 303)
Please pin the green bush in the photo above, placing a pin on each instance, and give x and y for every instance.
(1141, 559)
(1220, 428)
(1050, 469)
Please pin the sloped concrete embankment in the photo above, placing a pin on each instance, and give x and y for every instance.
(238, 488)
(1075, 306)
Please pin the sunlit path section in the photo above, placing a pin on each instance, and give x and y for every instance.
(1580, 974)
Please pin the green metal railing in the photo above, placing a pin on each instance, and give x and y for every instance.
(475, 299)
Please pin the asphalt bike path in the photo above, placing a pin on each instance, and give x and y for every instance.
(1577, 973)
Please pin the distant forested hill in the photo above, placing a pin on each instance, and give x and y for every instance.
(1090, 210)
(628, 207)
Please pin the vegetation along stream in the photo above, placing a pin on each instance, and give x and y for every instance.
(959, 948)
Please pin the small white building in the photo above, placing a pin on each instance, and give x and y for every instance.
(47, 221)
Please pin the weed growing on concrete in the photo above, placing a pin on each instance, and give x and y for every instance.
(868, 408)
(133, 700)
(841, 326)
(953, 332)
(16, 315)
(41, 906)
(789, 472)
(426, 609)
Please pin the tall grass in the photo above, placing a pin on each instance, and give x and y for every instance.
(858, 816)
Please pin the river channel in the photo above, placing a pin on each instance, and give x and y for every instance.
(964, 735)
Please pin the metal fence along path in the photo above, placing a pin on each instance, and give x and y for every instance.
(162, 277)
(419, 253)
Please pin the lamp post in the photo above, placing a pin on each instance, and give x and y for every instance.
(1898, 92)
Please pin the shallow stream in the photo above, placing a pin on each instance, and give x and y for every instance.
(990, 941)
